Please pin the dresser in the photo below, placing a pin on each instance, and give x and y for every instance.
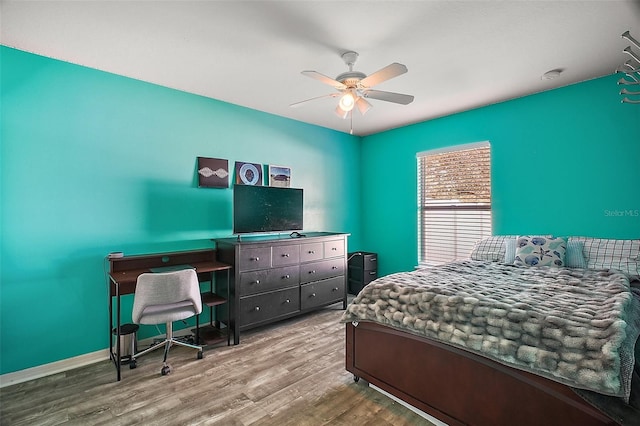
(280, 277)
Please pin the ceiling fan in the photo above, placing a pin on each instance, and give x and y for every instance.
(354, 86)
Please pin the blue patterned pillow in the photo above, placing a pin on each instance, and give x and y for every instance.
(538, 250)
(574, 256)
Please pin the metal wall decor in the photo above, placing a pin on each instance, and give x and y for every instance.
(631, 71)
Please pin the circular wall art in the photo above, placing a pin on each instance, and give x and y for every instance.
(249, 174)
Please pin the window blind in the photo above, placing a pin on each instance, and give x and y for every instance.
(454, 201)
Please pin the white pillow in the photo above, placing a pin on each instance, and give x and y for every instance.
(602, 253)
(490, 249)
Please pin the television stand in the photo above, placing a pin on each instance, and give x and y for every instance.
(275, 278)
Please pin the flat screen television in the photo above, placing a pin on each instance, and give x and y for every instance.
(260, 209)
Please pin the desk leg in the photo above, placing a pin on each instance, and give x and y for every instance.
(111, 325)
(228, 308)
(213, 289)
(118, 356)
(198, 329)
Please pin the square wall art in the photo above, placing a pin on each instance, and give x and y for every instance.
(213, 173)
(248, 174)
(279, 176)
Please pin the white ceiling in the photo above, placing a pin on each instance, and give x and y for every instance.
(460, 54)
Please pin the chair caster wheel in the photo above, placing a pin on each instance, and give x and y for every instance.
(165, 370)
(132, 364)
(200, 355)
(356, 379)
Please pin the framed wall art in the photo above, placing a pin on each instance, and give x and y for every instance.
(248, 173)
(279, 176)
(213, 173)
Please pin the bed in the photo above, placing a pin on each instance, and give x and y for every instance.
(502, 340)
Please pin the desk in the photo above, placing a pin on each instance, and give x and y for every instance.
(124, 272)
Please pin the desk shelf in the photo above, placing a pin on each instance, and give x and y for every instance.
(212, 333)
(211, 299)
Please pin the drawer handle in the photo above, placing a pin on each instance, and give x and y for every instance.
(373, 259)
(334, 267)
(372, 273)
(287, 301)
(285, 254)
(335, 289)
(312, 251)
(257, 308)
(286, 277)
(334, 248)
(256, 282)
(254, 259)
(312, 272)
(313, 295)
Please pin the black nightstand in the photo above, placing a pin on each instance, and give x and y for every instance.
(363, 268)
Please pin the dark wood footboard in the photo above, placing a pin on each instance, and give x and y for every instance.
(459, 387)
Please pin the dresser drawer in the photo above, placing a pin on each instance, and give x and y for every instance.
(322, 292)
(254, 258)
(333, 248)
(268, 279)
(320, 270)
(285, 255)
(311, 251)
(268, 306)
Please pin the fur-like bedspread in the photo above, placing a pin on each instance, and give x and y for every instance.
(575, 326)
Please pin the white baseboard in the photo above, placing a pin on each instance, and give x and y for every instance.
(25, 375)
(44, 370)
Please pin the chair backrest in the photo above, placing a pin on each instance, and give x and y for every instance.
(166, 288)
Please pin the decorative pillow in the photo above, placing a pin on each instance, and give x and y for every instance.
(490, 249)
(602, 253)
(540, 250)
(574, 257)
(510, 250)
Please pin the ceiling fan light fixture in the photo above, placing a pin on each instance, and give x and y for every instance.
(347, 102)
(354, 86)
(341, 113)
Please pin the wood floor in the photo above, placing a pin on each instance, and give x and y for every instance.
(291, 373)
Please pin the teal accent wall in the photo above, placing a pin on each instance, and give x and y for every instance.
(564, 162)
(93, 162)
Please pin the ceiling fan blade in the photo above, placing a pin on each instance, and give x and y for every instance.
(324, 79)
(397, 98)
(331, 95)
(390, 71)
(363, 105)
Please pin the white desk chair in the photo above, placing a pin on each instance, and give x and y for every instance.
(164, 298)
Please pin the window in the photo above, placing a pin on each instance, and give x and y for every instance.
(454, 201)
